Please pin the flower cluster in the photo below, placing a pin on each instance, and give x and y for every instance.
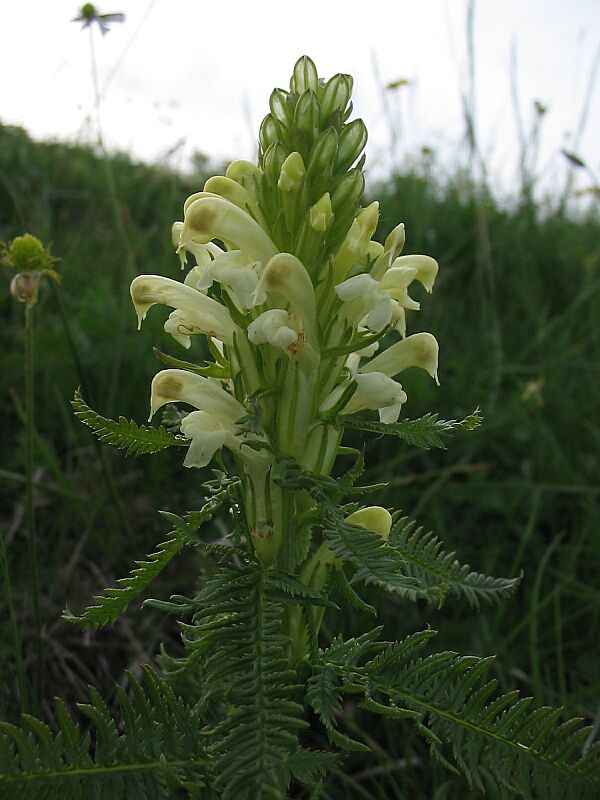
(294, 295)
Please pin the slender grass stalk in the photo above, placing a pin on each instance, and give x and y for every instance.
(100, 452)
(117, 211)
(29, 510)
(22, 681)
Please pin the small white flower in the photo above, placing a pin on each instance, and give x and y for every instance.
(237, 272)
(378, 392)
(286, 282)
(208, 435)
(374, 391)
(277, 327)
(382, 302)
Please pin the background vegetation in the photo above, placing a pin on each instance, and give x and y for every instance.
(517, 313)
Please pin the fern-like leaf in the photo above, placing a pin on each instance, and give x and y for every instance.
(412, 563)
(160, 747)
(249, 688)
(125, 434)
(283, 587)
(529, 753)
(424, 558)
(115, 601)
(427, 431)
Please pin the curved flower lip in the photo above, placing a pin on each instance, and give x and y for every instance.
(376, 391)
(212, 216)
(373, 391)
(237, 272)
(201, 312)
(419, 350)
(202, 252)
(180, 386)
(207, 436)
(425, 267)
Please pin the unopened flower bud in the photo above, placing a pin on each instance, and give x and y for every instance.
(270, 132)
(273, 161)
(292, 173)
(320, 214)
(30, 259)
(306, 116)
(349, 190)
(278, 103)
(323, 152)
(239, 170)
(304, 76)
(353, 138)
(336, 94)
(374, 518)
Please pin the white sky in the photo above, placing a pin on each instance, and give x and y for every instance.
(184, 75)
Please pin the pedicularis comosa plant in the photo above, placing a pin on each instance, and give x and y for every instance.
(305, 317)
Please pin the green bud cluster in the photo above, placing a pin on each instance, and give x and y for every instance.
(26, 254)
(312, 161)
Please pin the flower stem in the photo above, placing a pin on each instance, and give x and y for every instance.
(29, 511)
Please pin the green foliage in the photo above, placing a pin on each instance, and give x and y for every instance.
(149, 750)
(427, 431)
(115, 601)
(247, 683)
(455, 708)
(412, 563)
(125, 434)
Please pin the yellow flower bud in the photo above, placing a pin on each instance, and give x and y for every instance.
(375, 518)
(292, 174)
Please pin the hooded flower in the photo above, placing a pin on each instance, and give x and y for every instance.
(285, 281)
(213, 425)
(195, 313)
(208, 216)
(419, 350)
(380, 302)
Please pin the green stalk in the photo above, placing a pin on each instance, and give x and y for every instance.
(22, 682)
(29, 512)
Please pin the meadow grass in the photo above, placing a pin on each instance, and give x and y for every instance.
(517, 313)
